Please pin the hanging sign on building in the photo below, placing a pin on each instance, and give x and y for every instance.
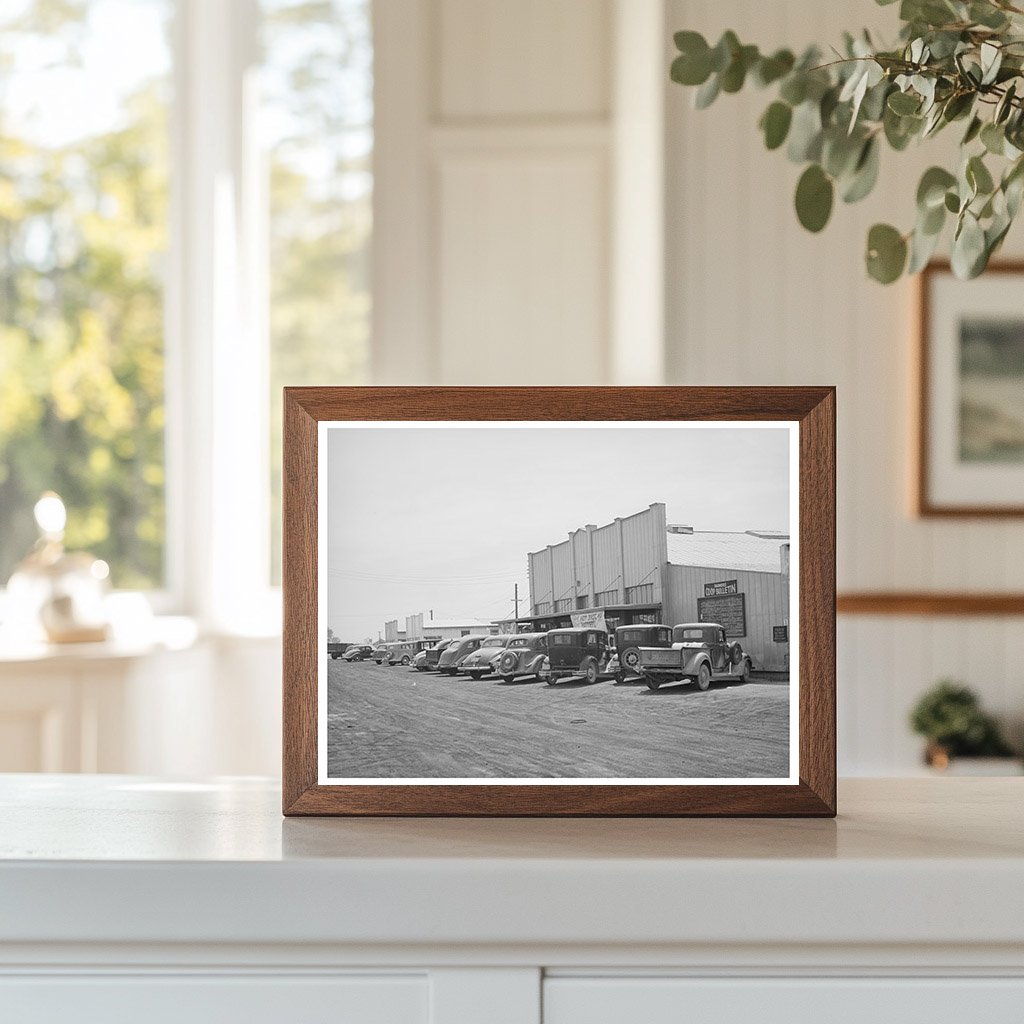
(589, 620)
(780, 634)
(728, 610)
(721, 588)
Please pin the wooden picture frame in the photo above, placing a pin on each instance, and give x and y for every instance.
(810, 791)
(927, 503)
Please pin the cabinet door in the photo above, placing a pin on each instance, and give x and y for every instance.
(783, 1000)
(205, 999)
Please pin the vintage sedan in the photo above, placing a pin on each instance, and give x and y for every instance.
(484, 660)
(380, 653)
(700, 653)
(629, 640)
(582, 653)
(525, 655)
(458, 651)
(432, 655)
(404, 652)
(358, 652)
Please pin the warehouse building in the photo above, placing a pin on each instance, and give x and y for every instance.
(640, 568)
(425, 627)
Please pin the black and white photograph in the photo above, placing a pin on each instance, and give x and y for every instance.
(578, 602)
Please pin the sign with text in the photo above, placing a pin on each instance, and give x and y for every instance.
(728, 610)
(780, 634)
(722, 588)
(588, 620)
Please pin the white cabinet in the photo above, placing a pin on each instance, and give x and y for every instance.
(126, 899)
(828, 1000)
(203, 999)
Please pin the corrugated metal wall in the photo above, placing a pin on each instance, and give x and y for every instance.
(767, 605)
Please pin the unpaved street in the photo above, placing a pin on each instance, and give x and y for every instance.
(399, 723)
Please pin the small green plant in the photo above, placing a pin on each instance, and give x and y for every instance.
(956, 61)
(950, 717)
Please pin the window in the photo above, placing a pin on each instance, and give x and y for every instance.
(542, 608)
(564, 605)
(644, 594)
(263, 282)
(581, 603)
(83, 240)
(605, 598)
(317, 121)
(563, 639)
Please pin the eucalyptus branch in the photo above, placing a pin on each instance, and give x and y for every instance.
(955, 59)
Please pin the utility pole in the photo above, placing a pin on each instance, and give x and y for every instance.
(516, 627)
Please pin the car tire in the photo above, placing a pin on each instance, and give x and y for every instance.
(704, 676)
(745, 671)
(507, 679)
(653, 684)
(590, 671)
(620, 677)
(476, 675)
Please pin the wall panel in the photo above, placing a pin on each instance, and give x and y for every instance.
(753, 299)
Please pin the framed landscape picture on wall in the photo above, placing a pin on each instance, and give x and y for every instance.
(970, 451)
(559, 601)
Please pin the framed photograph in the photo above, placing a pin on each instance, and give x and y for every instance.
(970, 451)
(559, 601)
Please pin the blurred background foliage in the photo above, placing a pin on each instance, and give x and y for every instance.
(84, 244)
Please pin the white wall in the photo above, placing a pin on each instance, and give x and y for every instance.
(754, 299)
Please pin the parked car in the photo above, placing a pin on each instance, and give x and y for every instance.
(700, 653)
(578, 652)
(432, 655)
(484, 660)
(335, 648)
(403, 653)
(458, 651)
(380, 653)
(525, 655)
(358, 652)
(629, 640)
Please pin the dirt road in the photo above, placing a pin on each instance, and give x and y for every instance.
(398, 723)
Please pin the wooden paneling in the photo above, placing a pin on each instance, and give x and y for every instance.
(522, 245)
(754, 299)
(531, 58)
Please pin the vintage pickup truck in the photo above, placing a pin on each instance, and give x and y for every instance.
(629, 640)
(699, 653)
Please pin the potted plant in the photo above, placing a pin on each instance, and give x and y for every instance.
(956, 62)
(950, 718)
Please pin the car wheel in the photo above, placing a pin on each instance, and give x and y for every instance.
(745, 671)
(476, 675)
(620, 677)
(704, 676)
(590, 672)
(551, 680)
(653, 684)
(507, 679)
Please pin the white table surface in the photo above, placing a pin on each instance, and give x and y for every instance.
(122, 859)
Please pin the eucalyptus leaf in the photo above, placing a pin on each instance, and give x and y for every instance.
(707, 93)
(814, 196)
(805, 133)
(993, 138)
(978, 176)
(865, 173)
(903, 103)
(922, 247)
(931, 190)
(968, 248)
(775, 124)
(886, 253)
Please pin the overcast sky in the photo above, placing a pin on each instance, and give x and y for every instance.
(441, 518)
